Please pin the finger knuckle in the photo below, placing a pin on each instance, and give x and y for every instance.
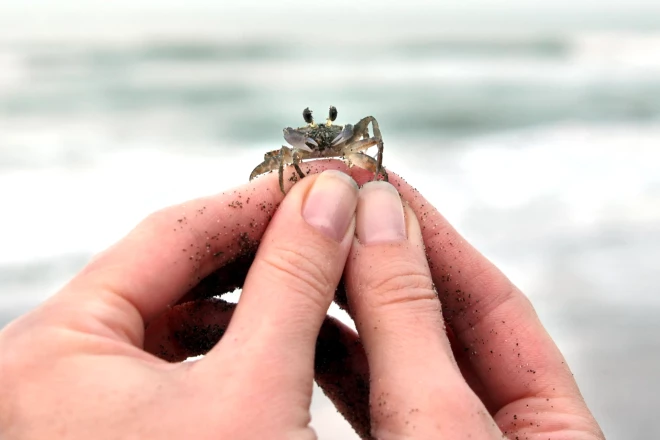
(302, 271)
(399, 282)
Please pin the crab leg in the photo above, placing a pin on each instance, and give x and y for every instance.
(363, 161)
(275, 160)
(272, 161)
(360, 145)
(361, 129)
(296, 161)
(281, 170)
(354, 154)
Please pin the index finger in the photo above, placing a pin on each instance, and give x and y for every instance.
(170, 251)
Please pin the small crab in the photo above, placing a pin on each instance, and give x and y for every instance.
(328, 140)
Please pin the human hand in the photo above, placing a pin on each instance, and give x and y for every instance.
(75, 367)
(257, 381)
(454, 349)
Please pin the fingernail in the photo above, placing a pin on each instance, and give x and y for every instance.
(330, 203)
(380, 216)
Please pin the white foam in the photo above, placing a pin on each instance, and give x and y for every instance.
(593, 170)
(55, 211)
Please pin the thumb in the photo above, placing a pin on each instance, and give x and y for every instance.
(292, 281)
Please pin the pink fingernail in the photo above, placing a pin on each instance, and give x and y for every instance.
(330, 203)
(380, 217)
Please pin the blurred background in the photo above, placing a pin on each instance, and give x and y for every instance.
(533, 126)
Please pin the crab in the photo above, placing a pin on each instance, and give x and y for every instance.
(314, 141)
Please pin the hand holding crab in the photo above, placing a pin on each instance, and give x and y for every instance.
(98, 359)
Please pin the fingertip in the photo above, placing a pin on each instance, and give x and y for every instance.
(329, 204)
(380, 215)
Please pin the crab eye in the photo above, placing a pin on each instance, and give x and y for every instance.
(307, 115)
(333, 113)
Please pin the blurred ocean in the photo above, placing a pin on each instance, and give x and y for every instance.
(539, 139)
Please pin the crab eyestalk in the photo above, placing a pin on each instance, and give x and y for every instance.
(307, 116)
(332, 115)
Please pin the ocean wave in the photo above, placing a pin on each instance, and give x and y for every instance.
(245, 115)
(244, 90)
(582, 46)
(218, 51)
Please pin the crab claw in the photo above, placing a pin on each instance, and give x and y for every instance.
(345, 135)
(298, 140)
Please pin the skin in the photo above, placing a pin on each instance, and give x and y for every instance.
(97, 360)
